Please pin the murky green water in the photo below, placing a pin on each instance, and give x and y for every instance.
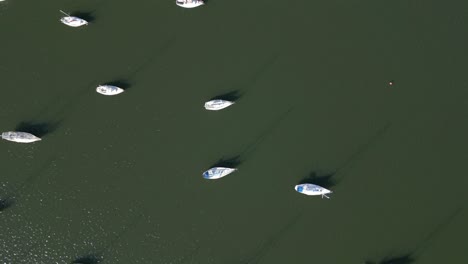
(119, 178)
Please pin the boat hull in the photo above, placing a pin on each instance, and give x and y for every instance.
(217, 172)
(311, 189)
(109, 89)
(72, 21)
(215, 105)
(189, 3)
(20, 137)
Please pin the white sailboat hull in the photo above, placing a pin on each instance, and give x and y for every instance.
(217, 172)
(109, 89)
(189, 3)
(20, 137)
(72, 21)
(311, 189)
(215, 105)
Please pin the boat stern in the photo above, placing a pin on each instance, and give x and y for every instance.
(207, 175)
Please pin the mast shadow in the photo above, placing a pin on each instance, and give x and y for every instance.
(363, 149)
(411, 257)
(250, 149)
(270, 242)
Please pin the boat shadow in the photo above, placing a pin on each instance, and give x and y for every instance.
(6, 203)
(38, 129)
(88, 259)
(232, 96)
(122, 83)
(324, 180)
(399, 259)
(86, 15)
(231, 162)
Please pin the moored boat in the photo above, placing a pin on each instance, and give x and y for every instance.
(217, 104)
(189, 3)
(109, 89)
(20, 137)
(312, 189)
(72, 21)
(217, 172)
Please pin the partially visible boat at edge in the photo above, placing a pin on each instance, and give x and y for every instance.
(109, 89)
(217, 104)
(72, 21)
(217, 172)
(312, 189)
(189, 3)
(20, 137)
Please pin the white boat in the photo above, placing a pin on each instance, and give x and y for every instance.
(72, 21)
(312, 189)
(20, 137)
(217, 104)
(217, 172)
(189, 3)
(109, 89)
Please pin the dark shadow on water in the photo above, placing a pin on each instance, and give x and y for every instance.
(88, 259)
(231, 162)
(229, 96)
(6, 203)
(38, 129)
(122, 83)
(401, 259)
(88, 16)
(325, 180)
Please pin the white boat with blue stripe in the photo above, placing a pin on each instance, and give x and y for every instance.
(312, 189)
(217, 172)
